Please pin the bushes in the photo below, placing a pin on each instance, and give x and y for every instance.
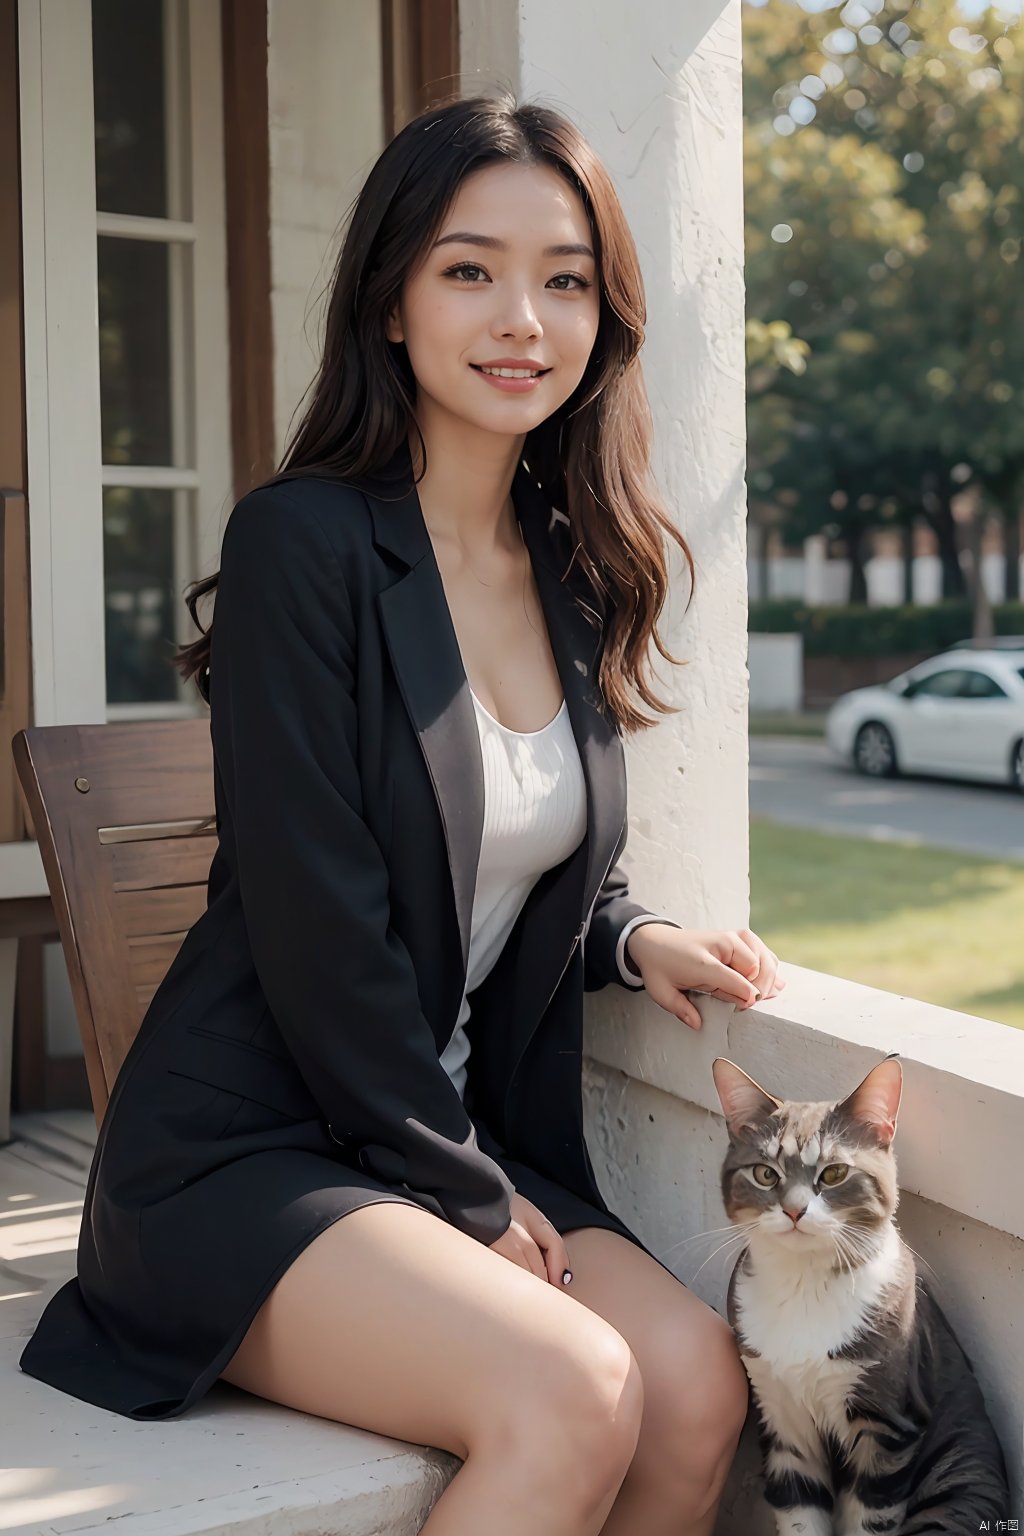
(858, 630)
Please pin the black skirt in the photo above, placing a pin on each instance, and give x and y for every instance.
(166, 1289)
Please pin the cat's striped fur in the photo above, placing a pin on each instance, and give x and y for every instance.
(871, 1420)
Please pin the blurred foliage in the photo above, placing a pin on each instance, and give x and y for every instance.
(857, 630)
(884, 186)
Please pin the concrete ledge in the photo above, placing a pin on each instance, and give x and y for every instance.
(963, 1099)
(234, 1465)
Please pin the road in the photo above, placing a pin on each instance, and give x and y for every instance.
(800, 784)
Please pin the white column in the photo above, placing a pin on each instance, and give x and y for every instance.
(815, 574)
(657, 91)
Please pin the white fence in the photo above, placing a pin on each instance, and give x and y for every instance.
(813, 579)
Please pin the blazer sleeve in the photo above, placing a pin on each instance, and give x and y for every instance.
(313, 881)
(613, 911)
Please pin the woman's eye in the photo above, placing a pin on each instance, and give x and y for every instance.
(835, 1173)
(764, 1175)
(464, 266)
(471, 267)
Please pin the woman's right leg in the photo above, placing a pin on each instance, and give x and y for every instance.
(393, 1320)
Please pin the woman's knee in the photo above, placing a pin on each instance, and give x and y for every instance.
(696, 1403)
(581, 1415)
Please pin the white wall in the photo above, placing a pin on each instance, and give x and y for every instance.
(776, 664)
(660, 100)
(326, 130)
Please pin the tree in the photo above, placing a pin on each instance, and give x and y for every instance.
(885, 221)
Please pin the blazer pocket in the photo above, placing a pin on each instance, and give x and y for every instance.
(271, 1080)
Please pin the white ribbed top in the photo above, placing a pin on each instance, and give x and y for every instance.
(535, 814)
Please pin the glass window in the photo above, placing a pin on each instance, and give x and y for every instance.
(140, 599)
(136, 79)
(146, 318)
(980, 686)
(135, 350)
(938, 685)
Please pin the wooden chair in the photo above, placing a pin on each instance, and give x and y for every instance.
(124, 815)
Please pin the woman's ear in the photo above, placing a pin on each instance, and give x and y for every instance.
(393, 325)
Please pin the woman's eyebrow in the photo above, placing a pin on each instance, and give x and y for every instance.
(466, 237)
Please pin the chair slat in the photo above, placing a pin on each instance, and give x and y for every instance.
(150, 957)
(168, 861)
(157, 913)
(124, 814)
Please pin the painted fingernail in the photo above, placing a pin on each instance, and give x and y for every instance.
(567, 1277)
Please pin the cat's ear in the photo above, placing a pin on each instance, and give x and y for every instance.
(876, 1101)
(744, 1102)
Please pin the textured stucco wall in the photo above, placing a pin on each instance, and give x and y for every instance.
(660, 99)
(326, 130)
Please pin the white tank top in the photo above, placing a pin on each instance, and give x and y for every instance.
(535, 814)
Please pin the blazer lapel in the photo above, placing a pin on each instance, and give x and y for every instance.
(425, 654)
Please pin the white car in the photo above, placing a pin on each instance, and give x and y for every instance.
(960, 715)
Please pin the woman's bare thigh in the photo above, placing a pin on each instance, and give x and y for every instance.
(686, 1352)
(394, 1321)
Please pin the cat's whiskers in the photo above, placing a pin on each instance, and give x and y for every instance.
(738, 1238)
(712, 1232)
(920, 1260)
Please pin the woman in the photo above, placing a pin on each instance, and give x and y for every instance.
(418, 679)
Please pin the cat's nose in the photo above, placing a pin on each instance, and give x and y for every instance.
(794, 1212)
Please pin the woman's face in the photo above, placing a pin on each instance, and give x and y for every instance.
(511, 281)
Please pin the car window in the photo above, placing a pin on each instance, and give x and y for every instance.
(946, 684)
(980, 686)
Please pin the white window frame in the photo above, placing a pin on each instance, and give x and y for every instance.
(65, 475)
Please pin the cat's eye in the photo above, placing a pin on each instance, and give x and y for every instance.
(835, 1173)
(769, 1178)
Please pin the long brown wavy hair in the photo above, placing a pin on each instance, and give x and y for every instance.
(591, 456)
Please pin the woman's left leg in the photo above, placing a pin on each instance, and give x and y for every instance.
(695, 1387)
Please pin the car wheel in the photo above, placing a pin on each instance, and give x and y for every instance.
(874, 751)
(1017, 767)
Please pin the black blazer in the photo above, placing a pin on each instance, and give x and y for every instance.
(325, 978)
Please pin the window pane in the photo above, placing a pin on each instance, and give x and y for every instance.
(943, 685)
(136, 150)
(141, 596)
(142, 286)
(981, 686)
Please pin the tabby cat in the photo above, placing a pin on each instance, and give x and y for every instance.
(871, 1418)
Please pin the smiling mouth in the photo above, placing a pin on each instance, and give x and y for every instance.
(511, 373)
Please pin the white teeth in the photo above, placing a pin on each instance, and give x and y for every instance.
(512, 373)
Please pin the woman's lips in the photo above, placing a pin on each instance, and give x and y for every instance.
(510, 386)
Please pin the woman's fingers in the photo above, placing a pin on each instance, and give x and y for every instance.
(674, 1001)
(745, 956)
(729, 985)
(556, 1255)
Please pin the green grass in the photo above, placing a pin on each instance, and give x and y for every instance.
(923, 922)
(808, 724)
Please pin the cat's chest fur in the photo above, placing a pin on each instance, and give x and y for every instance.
(793, 1323)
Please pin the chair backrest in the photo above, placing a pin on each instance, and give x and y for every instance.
(124, 816)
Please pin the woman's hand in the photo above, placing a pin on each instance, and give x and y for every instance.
(732, 964)
(532, 1243)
